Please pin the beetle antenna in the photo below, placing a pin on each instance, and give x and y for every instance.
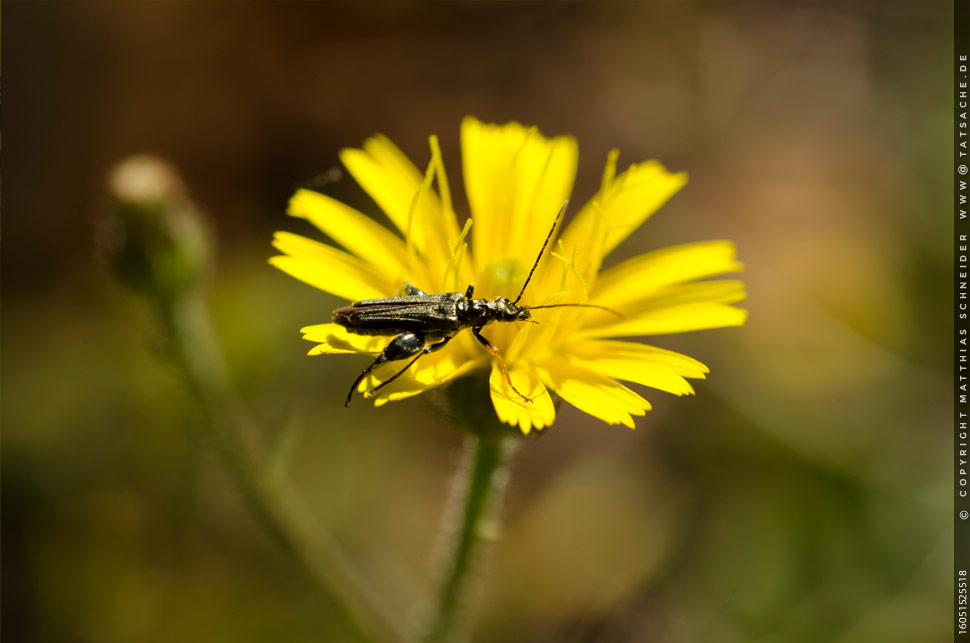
(609, 310)
(544, 244)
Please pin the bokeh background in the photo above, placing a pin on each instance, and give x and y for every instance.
(802, 495)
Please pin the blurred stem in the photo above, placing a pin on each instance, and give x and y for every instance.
(197, 354)
(270, 498)
(476, 497)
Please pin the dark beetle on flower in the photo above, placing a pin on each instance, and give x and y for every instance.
(423, 323)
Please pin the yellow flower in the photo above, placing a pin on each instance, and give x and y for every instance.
(516, 181)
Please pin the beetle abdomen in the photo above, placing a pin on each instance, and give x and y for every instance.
(427, 316)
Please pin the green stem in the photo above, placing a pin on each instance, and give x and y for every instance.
(272, 501)
(476, 497)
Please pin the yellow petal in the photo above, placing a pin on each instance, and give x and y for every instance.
(674, 309)
(679, 363)
(622, 204)
(429, 372)
(635, 278)
(335, 339)
(409, 201)
(681, 319)
(361, 235)
(327, 268)
(512, 409)
(591, 392)
(516, 181)
(439, 221)
(646, 365)
(432, 227)
(390, 179)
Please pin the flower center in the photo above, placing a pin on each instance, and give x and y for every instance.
(501, 278)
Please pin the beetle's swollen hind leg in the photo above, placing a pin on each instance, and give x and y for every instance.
(477, 332)
(424, 351)
(401, 347)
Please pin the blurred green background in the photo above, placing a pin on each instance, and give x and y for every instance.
(802, 495)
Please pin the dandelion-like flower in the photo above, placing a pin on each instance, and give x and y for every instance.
(516, 181)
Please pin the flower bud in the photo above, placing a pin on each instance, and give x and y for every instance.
(153, 236)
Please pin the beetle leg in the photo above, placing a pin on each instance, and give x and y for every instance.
(401, 347)
(424, 351)
(470, 291)
(477, 332)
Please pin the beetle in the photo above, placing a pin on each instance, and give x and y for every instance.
(423, 323)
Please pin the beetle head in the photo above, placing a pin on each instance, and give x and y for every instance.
(507, 311)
